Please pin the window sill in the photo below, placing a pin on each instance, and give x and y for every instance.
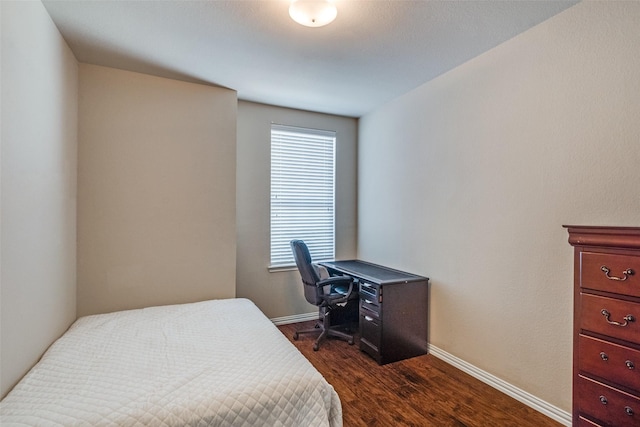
(280, 268)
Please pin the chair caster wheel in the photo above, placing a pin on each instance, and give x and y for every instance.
(317, 326)
(295, 336)
(350, 342)
(315, 347)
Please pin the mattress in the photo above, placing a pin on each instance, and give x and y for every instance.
(212, 363)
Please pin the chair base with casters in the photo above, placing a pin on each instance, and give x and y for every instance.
(326, 330)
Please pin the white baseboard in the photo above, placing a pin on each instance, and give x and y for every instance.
(553, 412)
(295, 318)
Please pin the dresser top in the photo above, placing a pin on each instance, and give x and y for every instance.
(612, 237)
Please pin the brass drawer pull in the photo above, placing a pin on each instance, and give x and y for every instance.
(630, 364)
(628, 272)
(628, 318)
(604, 356)
(603, 400)
(368, 318)
(628, 410)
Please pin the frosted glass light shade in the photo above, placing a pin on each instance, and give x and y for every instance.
(313, 13)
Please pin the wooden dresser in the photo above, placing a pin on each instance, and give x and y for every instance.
(606, 342)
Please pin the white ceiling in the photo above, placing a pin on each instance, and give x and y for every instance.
(373, 52)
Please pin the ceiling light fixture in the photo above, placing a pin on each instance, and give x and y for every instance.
(313, 13)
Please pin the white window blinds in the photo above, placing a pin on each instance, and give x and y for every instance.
(302, 192)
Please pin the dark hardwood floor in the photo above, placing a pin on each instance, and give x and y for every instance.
(422, 391)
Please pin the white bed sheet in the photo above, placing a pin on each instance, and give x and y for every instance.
(212, 363)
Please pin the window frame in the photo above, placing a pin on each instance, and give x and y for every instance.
(321, 249)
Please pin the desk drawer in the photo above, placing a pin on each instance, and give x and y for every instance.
(370, 292)
(619, 274)
(370, 335)
(617, 363)
(369, 309)
(607, 404)
(609, 316)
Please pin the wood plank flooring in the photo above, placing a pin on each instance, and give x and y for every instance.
(422, 391)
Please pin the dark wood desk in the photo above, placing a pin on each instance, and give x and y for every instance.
(393, 309)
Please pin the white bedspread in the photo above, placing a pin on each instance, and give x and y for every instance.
(213, 363)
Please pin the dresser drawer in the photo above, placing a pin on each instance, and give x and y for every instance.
(609, 316)
(583, 422)
(617, 363)
(619, 274)
(607, 404)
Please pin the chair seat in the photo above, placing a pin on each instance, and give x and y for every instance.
(342, 290)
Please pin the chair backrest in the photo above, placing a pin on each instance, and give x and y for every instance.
(307, 272)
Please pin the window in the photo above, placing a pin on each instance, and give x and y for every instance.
(302, 192)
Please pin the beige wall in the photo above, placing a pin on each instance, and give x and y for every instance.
(279, 294)
(38, 168)
(469, 178)
(156, 191)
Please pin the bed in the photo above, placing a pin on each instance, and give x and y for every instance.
(212, 363)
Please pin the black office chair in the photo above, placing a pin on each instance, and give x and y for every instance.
(326, 293)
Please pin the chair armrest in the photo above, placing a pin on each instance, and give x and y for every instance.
(334, 296)
(336, 280)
